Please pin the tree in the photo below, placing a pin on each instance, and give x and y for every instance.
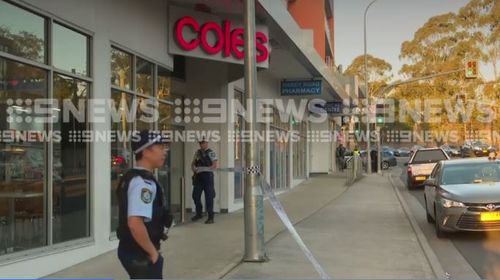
(444, 43)
(379, 71)
(482, 18)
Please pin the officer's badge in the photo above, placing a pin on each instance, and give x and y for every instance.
(146, 195)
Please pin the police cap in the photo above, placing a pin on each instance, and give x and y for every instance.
(145, 138)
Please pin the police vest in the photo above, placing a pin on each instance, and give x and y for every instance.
(203, 158)
(154, 227)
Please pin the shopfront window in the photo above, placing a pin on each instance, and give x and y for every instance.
(145, 113)
(142, 103)
(22, 166)
(121, 69)
(164, 84)
(121, 151)
(279, 152)
(165, 123)
(22, 33)
(299, 149)
(70, 181)
(38, 157)
(70, 50)
(144, 77)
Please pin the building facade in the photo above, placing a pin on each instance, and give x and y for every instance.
(57, 202)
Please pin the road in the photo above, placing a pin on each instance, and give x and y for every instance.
(481, 251)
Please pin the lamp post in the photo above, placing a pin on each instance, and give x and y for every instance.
(253, 198)
(368, 148)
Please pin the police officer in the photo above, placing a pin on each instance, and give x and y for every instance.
(142, 209)
(204, 163)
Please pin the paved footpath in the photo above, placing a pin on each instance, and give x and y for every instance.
(356, 232)
(363, 234)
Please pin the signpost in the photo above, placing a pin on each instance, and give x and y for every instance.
(334, 107)
(301, 87)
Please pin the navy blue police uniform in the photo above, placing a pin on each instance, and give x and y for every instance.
(204, 182)
(140, 194)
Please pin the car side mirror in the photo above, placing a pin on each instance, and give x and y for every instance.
(430, 182)
(406, 163)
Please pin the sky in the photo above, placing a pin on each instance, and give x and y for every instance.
(389, 24)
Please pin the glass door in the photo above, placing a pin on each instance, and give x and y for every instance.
(177, 190)
(171, 176)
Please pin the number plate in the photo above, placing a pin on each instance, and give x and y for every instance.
(420, 178)
(489, 217)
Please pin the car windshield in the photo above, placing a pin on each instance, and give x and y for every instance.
(471, 173)
(428, 156)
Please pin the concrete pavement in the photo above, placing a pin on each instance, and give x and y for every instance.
(199, 251)
(363, 234)
(356, 232)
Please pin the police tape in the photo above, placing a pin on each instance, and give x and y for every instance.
(280, 211)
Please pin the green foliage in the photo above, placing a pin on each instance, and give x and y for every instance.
(379, 71)
(444, 43)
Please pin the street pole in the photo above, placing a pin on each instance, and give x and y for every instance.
(368, 149)
(253, 197)
(379, 152)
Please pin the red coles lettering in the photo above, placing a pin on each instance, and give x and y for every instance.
(227, 40)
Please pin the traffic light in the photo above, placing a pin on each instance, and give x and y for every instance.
(380, 114)
(471, 69)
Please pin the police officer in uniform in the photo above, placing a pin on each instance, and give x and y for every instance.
(204, 163)
(143, 216)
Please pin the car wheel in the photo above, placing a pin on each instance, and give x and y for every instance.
(385, 165)
(430, 220)
(439, 232)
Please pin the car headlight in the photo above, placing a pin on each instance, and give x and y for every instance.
(448, 203)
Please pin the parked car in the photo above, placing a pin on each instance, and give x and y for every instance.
(464, 195)
(421, 164)
(481, 149)
(402, 152)
(476, 148)
(452, 151)
(388, 149)
(414, 148)
(388, 159)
